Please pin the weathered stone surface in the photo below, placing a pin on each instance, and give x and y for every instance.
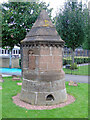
(28, 96)
(57, 85)
(59, 97)
(44, 51)
(40, 98)
(32, 62)
(43, 30)
(38, 86)
(41, 22)
(51, 76)
(25, 70)
(56, 51)
(25, 85)
(45, 59)
(39, 31)
(43, 39)
(43, 66)
(43, 77)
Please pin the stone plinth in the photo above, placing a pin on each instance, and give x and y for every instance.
(43, 77)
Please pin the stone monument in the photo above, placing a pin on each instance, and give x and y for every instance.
(43, 77)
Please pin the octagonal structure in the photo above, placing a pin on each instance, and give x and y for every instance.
(43, 76)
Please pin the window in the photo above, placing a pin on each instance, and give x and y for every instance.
(5, 51)
(19, 51)
(2, 51)
(16, 51)
(8, 51)
(13, 51)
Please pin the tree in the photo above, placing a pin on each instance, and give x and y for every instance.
(86, 43)
(17, 20)
(0, 26)
(70, 24)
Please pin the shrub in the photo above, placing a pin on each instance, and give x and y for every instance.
(73, 66)
(67, 61)
(78, 60)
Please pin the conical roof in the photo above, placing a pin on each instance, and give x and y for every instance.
(43, 30)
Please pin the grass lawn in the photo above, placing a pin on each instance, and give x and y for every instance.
(82, 70)
(78, 109)
(0, 102)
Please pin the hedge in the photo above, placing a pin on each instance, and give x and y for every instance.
(78, 60)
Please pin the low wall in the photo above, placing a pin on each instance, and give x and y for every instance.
(4, 62)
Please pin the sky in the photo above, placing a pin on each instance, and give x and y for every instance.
(55, 4)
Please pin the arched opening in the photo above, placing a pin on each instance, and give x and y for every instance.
(50, 98)
(31, 60)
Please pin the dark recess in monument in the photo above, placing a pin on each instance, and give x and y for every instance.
(49, 97)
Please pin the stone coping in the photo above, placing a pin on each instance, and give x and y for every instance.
(18, 102)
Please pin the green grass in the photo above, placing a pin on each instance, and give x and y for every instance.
(0, 102)
(78, 109)
(82, 70)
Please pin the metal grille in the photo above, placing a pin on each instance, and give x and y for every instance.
(81, 61)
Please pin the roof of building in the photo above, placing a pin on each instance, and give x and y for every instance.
(43, 30)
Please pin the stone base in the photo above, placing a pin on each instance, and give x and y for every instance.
(18, 102)
(43, 93)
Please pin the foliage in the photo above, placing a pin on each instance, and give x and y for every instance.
(73, 66)
(86, 43)
(0, 26)
(17, 20)
(82, 70)
(10, 110)
(0, 102)
(78, 60)
(70, 24)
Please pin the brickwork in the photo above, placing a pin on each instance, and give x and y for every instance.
(45, 51)
(43, 77)
(44, 58)
(50, 59)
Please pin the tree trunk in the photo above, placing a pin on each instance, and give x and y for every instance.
(72, 56)
(10, 59)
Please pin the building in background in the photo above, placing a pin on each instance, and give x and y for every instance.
(4, 53)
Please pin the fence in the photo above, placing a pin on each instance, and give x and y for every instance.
(82, 62)
(4, 62)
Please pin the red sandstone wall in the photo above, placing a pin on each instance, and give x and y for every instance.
(50, 58)
(43, 58)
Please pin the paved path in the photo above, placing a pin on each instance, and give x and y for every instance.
(68, 77)
(77, 78)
